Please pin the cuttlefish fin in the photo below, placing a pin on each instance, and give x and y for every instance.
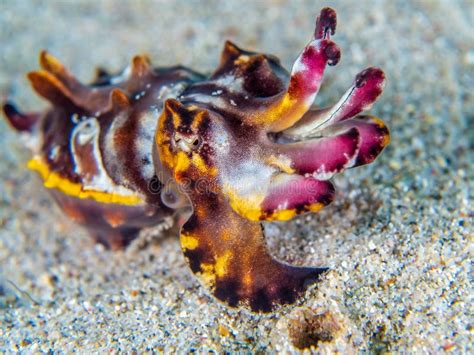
(229, 255)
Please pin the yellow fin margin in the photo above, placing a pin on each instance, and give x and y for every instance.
(53, 180)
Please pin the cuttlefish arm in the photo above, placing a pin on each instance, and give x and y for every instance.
(285, 109)
(365, 90)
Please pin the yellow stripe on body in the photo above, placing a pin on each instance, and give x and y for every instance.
(53, 180)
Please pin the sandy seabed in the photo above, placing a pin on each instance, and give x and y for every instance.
(398, 237)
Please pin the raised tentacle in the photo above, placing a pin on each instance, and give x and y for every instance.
(367, 87)
(325, 23)
(306, 77)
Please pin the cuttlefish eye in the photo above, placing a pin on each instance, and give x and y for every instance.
(196, 142)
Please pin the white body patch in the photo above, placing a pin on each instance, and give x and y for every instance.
(85, 136)
(249, 178)
(230, 82)
(145, 140)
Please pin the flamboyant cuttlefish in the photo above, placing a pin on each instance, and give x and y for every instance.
(240, 147)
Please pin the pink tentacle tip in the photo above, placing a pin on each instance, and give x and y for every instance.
(371, 76)
(325, 24)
